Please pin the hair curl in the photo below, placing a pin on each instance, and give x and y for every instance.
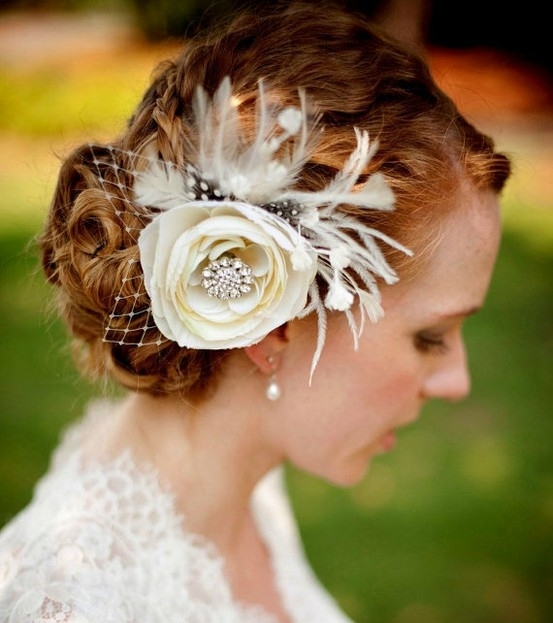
(356, 77)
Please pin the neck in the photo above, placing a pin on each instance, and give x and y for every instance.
(211, 456)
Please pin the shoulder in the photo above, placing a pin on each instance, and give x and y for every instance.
(98, 412)
(88, 549)
(64, 556)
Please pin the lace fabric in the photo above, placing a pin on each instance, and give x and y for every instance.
(103, 543)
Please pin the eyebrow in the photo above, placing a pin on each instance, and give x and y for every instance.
(464, 313)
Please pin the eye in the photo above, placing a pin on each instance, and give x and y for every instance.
(430, 343)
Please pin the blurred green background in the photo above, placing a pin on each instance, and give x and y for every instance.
(454, 526)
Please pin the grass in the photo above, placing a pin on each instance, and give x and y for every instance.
(456, 525)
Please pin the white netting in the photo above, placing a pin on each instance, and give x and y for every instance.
(130, 321)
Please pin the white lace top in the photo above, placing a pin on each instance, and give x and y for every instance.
(103, 543)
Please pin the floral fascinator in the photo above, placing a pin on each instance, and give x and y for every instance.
(231, 250)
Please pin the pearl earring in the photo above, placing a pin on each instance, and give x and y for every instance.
(273, 388)
(273, 391)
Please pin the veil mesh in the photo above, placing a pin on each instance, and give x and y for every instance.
(130, 321)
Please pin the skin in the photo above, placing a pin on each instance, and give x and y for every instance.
(415, 353)
(212, 454)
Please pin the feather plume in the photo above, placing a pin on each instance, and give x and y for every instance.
(160, 185)
(248, 172)
(262, 172)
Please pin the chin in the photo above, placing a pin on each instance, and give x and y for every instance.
(348, 476)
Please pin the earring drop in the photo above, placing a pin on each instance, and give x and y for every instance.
(273, 388)
(273, 391)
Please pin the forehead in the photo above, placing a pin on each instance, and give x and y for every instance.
(456, 275)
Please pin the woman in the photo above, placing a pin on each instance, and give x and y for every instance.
(275, 258)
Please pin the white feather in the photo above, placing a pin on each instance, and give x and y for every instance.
(317, 304)
(160, 185)
(250, 172)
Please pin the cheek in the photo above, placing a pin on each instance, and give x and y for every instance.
(391, 392)
(374, 382)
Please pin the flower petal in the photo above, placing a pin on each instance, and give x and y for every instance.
(174, 250)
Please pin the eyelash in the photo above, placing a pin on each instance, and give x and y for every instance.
(430, 344)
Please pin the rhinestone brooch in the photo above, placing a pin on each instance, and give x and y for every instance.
(227, 278)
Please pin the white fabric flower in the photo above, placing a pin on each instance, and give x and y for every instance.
(291, 239)
(178, 245)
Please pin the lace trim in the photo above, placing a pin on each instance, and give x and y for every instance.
(104, 542)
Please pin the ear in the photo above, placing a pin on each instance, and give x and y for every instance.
(266, 354)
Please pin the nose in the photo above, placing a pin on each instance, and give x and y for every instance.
(449, 379)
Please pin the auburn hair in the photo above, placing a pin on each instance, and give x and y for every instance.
(353, 74)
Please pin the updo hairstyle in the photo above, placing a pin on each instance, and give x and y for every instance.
(354, 77)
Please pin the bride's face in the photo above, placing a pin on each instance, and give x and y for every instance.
(358, 399)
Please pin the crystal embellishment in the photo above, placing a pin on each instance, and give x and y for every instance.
(227, 278)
